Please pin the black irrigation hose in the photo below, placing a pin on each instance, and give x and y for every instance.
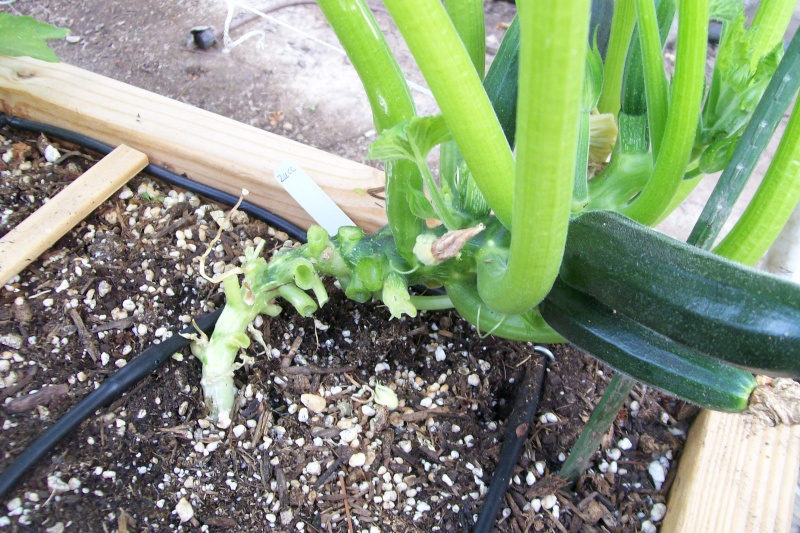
(519, 424)
(139, 368)
(295, 232)
(153, 357)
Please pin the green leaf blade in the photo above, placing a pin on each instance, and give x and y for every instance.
(26, 36)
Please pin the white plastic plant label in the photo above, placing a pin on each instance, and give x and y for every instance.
(311, 197)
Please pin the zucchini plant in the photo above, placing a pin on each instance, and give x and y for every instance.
(552, 165)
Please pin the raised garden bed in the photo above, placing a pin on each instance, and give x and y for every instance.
(166, 131)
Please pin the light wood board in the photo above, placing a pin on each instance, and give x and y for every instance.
(23, 244)
(736, 475)
(208, 148)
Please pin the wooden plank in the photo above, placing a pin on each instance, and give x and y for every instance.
(208, 148)
(23, 244)
(736, 475)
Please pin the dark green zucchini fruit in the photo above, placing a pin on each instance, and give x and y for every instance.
(643, 354)
(731, 312)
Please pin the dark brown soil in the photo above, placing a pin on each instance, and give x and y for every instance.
(128, 274)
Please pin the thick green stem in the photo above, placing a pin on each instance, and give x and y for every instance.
(769, 25)
(655, 79)
(448, 69)
(773, 203)
(684, 108)
(554, 50)
(592, 435)
(621, 30)
(432, 303)
(468, 20)
(529, 327)
(391, 104)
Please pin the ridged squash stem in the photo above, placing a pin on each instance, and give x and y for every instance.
(528, 327)
(769, 24)
(468, 20)
(622, 24)
(616, 184)
(455, 84)
(391, 103)
(553, 54)
(684, 108)
(601, 419)
(773, 203)
(655, 79)
(431, 303)
(218, 354)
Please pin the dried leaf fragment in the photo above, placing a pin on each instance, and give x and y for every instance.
(450, 244)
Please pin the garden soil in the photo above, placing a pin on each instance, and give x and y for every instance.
(128, 275)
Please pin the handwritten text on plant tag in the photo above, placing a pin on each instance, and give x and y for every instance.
(311, 197)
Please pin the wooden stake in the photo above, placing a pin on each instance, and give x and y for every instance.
(22, 245)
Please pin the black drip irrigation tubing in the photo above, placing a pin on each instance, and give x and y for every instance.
(113, 387)
(519, 424)
(215, 195)
(151, 359)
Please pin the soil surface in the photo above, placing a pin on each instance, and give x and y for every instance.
(127, 276)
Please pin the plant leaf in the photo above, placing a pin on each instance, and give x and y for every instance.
(26, 36)
(392, 144)
(737, 85)
(427, 132)
(725, 10)
(410, 139)
(420, 205)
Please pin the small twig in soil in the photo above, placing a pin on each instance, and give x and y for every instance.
(287, 359)
(171, 228)
(122, 323)
(343, 454)
(516, 514)
(418, 416)
(556, 521)
(86, 338)
(519, 424)
(346, 505)
(311, 370)
(280, 480)
(567, 503)
(21, 383)
(74, 153)
(408, 458)
(260, 428)
(42, 397)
